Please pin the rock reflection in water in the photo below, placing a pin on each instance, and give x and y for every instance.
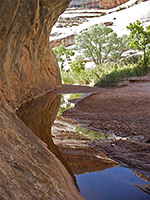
(39, 115)
(76, 148)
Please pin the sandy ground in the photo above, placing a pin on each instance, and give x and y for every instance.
(123, 111)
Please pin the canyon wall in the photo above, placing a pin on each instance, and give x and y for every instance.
(108, 4)
(28, 68)
(103, 4)
(27, 64)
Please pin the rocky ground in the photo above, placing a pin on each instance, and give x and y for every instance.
(123, 111)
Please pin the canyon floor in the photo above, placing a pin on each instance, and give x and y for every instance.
(123, 111)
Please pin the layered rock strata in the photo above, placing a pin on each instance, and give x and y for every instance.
(103, 4)
(108, 4)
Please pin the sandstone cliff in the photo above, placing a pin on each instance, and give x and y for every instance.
(27, 64)
(28, 170)
(103, 4)
(108, 4)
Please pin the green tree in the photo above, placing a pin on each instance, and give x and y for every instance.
(101, 44)
(63, 53)
(139, 38)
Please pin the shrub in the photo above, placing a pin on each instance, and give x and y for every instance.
(119, 73)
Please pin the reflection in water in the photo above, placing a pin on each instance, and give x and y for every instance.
(106, 184)
(66, 102)
(111, 184)
(39, 115)
(85, 161)
(76, 149)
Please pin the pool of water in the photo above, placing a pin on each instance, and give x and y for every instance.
(111, 183)
(117, 183)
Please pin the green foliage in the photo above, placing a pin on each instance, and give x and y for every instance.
(121, 8)
(63, 53)
(119, 72)
(101, 44)
(78, 64)
(139, 38)
(103, 14)
(105, 75)
(72, 77)
(92, 134)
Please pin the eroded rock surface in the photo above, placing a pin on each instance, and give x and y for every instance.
(28, 170)
(27, 64)
(39, 115)
(108, 4)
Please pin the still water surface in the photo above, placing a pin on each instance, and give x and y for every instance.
(117, 183)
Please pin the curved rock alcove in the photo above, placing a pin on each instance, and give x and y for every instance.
(28, 170)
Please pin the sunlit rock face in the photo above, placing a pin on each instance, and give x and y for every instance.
(108, 4)
(27, 64)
